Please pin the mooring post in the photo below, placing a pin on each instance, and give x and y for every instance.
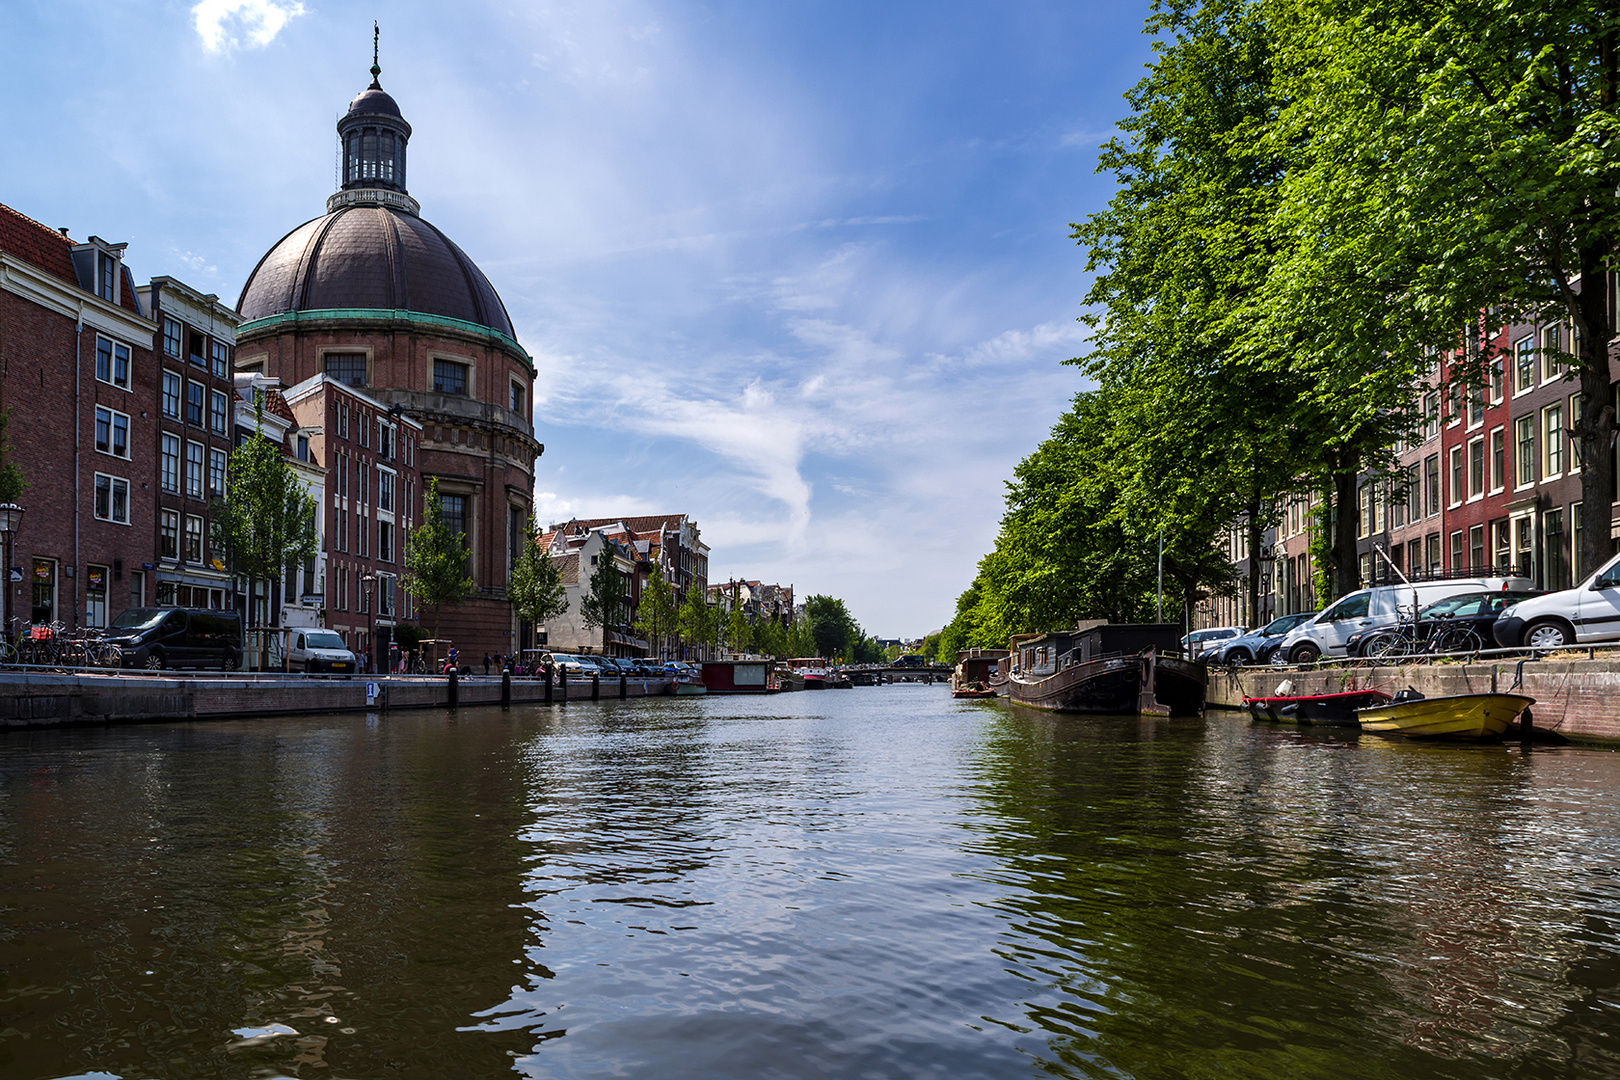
(455, 688)
(624, 686)
(562, 683)
(1527, 727)
(548, 686)
(596, 686)
(506, 689)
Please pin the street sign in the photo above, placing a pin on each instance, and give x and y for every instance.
(16, 573)
(371, 693)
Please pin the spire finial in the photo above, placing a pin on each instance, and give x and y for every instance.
(376, 32)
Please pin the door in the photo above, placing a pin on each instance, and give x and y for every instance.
(1337, 623)
(1597, 614)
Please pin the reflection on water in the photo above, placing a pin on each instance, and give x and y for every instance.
(880, 882)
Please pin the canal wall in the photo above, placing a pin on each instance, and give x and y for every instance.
(48, 700)
(1578, 698)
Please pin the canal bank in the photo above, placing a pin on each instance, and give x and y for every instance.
(52, 700)
(1578, 698)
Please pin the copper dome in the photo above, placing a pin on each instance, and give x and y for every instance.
(371, 257)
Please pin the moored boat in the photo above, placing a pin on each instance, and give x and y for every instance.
(1332, 709)
(1458, 716)
(976, 671)
(1103, 668)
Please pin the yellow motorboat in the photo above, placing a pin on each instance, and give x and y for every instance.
(1461, 716)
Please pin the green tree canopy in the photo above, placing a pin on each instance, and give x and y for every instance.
(536, 590)
(436, 559)
(606, 596)
(656, 614)
(266, 520)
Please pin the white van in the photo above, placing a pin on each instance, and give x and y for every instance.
(320, 650)
(1381, 605)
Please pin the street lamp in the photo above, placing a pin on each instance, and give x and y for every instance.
(10, 521)
(368, 581)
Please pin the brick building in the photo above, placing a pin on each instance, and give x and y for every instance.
(78, 378)
(195, 433)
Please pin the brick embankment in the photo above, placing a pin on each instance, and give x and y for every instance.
(42, 700)
(1579, 699)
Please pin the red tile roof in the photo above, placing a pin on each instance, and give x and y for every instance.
(38, 244)
(46, 248)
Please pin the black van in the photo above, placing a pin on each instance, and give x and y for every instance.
(171, 637)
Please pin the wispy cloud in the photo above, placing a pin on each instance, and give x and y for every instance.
(219, 22)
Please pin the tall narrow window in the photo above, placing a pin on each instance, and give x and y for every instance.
(194, 470)
(1498, 459)
(216, 474)
(170, 457)
(1524, 432)
(171, 337)
(1552, 439)
(1456, 462)
(1524, 356)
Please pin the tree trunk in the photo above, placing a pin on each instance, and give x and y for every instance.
(1346, 511)
(1253, 543)
(1596, 429)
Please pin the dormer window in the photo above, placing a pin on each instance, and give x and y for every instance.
(106, 277)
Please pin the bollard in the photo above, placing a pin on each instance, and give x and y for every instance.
(562, 683)
(596, 686)
(624, 687)
(506, 689)
(1527, 727)
(548, 686)
(455, 688)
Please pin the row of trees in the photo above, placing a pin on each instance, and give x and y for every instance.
(1315, 199)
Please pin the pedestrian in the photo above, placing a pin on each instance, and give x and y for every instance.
(486, 663)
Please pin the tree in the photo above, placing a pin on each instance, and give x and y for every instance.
(605, 598)
(656, 615)
(1460, 157)
(12, 481)
(436, 559)
(739, 635)
(832, 628)
(772, 639)
(695, 618)
(536, 589)
(266, 521)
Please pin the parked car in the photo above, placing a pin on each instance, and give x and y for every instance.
(172, 637)
(1454, 617)
(1588, 612)
(1202, 642)
(320, 650)
(1256, 646)
(1381, 605)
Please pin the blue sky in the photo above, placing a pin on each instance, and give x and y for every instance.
(801, 271)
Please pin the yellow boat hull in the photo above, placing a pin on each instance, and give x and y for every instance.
(1464, 716)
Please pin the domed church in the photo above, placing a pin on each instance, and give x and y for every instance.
(373, 297)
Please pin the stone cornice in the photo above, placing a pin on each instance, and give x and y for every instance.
(52, 293)
(393, 318)
(370, 196)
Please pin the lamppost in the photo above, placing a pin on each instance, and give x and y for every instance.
(368, 581)
(10, 520)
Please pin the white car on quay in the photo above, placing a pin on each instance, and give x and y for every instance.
(1588, 612)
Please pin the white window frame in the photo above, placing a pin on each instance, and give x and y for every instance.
(113, 416)
(114, 483)
(113, 348)
(201, 462)
(1552, 441)
(169, 480)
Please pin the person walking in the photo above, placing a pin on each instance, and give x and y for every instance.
(486, 663)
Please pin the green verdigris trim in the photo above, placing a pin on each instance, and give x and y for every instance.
(270, 322)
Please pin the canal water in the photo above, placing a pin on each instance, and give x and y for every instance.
(875, 883)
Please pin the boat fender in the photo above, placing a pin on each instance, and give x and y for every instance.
(1284, 689)
(1409, 694)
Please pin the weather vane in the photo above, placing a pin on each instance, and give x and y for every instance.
(376, 32)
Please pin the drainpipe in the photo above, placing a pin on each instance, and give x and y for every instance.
(78, 354)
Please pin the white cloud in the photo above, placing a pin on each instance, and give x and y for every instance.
(220, 21)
